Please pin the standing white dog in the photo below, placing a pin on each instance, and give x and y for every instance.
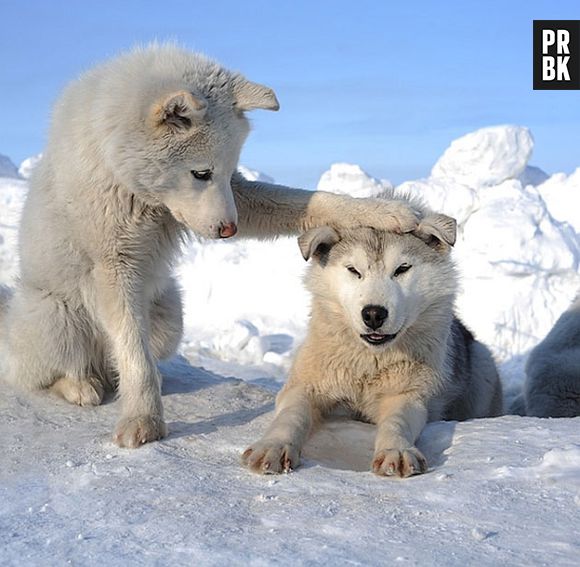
(141, 150)
(382, 342)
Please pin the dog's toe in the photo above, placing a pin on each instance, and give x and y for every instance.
(274, 458)
(133, 432)
(401, 463)
(86, 391)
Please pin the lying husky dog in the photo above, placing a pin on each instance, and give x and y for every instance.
(141, 150)
(552, 386)
(382, 342)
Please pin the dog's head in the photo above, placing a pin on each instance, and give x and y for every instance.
(185, 146)
(379, 284)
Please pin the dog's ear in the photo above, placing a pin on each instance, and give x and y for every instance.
(438, 231)
(179, 110)
(317, 242)
(249, 96)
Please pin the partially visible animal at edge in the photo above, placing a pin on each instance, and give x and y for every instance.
(552, 385)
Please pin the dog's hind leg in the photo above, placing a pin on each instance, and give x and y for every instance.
(81, 391)
(166, 322)
(49, 345)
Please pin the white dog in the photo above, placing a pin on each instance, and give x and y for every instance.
(382, 342)
(142, 149)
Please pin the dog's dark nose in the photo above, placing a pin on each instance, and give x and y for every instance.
(227, 230)
(374, 316)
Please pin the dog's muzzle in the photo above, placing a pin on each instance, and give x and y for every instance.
(377, 339)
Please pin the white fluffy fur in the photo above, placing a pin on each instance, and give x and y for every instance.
(109, 204)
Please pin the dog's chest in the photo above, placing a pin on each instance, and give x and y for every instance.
(360, 391)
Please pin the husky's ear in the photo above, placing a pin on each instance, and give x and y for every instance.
(438, 231)
(179, 110)
(317, 242)
(249, 96)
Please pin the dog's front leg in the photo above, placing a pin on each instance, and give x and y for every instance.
(267, 210)
(123, 317)
(279, 449)
(400, 421)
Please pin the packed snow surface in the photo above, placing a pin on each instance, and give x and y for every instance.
(499, 490)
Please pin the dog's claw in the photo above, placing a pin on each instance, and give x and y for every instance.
(402, 463)
(136, 431)
(270, 458)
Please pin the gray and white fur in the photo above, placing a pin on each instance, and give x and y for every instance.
(552, 386)
(382, 342)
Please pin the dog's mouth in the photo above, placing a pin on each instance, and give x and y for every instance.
(377, 338)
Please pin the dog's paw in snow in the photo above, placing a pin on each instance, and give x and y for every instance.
(271, 458)
(86, 391)
(402, 463)
(133, 432)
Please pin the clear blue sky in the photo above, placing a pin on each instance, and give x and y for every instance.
(385, 84)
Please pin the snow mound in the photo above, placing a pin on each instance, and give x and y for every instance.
(444, 195)
(351, 179)
(487, 156)
(562, 196)
(518, 260)
(28, 165)
(7, 168)
(253, 175)
(519, 268)
(533, 176)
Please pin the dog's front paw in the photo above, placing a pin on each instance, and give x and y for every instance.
(403, 463)
(269, 457)
(133, 432)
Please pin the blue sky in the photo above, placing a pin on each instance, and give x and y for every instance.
(386, 84)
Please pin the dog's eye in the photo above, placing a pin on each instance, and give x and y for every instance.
(203, 175)
(401, 270)
(354, 271)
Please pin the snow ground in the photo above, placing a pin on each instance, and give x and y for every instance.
(499, 491)
(503, 491)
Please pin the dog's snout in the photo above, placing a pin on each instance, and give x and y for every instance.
(374, 316)
(227, 230)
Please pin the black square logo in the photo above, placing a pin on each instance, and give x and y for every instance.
(556, 54)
